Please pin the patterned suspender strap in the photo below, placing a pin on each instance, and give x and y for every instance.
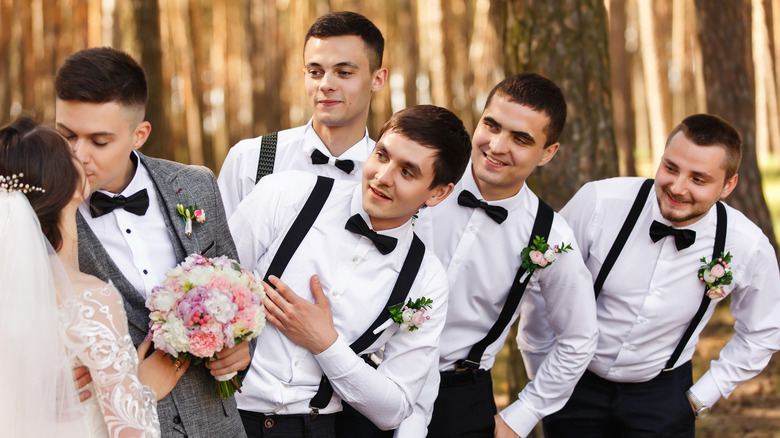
(265, 164)
(622, 236)
(403, 284)
(541, 228)
(311, 209)
(717, 249)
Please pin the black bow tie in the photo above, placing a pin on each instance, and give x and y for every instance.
(682, 238)
(384, 244)
(467, 199)
(137, 203)
(318, 157)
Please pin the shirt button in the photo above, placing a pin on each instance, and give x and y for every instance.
(641, 320)
(472, 228)
(177, 420)
(295, 364)
(128, 231)
(456, 261)
(355, 259)
(335, 293)
(145, 272)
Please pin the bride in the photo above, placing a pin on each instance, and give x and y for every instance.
(53, 317)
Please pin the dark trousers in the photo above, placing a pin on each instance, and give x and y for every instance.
(600, 408)
(465, 407)
(352, 424)
(287, 426)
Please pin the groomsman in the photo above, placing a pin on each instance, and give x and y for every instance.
(130, 232)
(479, 235)
(663, 254)
(342, 59)
(358, 241)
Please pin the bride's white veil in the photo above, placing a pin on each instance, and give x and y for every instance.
(37, 393)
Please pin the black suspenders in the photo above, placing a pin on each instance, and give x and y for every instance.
(620, 241)
(541, 228)
(300, 227)
(265, 164)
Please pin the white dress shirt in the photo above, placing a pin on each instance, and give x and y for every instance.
(293, 152)
(140, 246)
(357, 280)
(482, 258)
(653, 290)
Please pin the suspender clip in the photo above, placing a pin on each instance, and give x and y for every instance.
(466, 364)
(314, 412)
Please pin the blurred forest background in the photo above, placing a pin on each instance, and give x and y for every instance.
(222, 71)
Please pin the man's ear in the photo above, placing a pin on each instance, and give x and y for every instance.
(141, 134)
(548, 153)
(729, 186)
(380, 78)
(439, 193)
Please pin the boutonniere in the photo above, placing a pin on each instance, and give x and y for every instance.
(716, 274)
(189, 213)
(540, 255)
(410, 316)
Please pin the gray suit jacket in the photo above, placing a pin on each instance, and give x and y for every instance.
(193, 408)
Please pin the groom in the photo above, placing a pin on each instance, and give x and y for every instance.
(130, 232)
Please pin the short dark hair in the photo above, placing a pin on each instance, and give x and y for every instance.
(350, 23)
(435, 128)
(46, 160)
(711, 130)
(102, 75)
(539, 94)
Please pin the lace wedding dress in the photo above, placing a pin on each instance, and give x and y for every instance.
(45, 327)
(95, 329)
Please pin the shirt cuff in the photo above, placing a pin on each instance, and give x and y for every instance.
(338, 360)
(706, 390)
(519, 418)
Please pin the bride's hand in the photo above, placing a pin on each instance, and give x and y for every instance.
(159, 371)
(82, 377)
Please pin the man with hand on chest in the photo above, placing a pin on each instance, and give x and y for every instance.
(662, 254)
(130, 232)
(339, 255)
(342, 58)
(479, 234)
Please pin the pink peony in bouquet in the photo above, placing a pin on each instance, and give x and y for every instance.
(206, 305)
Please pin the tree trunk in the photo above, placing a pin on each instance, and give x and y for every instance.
(566, 41)
(620, 60)
(728, 73)
(147, 18)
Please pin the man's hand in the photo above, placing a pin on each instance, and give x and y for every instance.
(82, 377)
(502, 430)
(230, 360)
(159, 371)
(308, 325)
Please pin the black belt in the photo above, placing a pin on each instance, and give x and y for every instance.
(288, 422)
(461, 377)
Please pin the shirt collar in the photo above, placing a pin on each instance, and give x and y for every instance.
(520, 199)
(403, 232)
(141, 179)
(357, 152)
(704, 223)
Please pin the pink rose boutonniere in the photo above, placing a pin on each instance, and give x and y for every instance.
(189, 213)
(540, 255)
(411, 316)
(716, 274)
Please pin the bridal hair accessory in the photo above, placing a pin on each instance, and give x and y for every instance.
(12, 184)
